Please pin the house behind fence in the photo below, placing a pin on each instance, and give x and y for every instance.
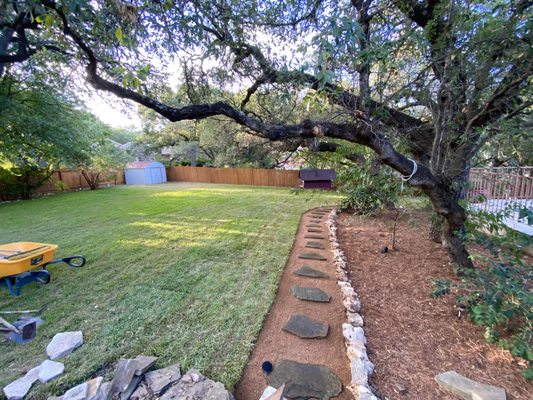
(499, 189)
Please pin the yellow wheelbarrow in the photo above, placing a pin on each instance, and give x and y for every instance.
(25, 262)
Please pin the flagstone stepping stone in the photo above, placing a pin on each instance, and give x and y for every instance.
(306, 328)
(310, 294)
(64, 343)
(17, 389)
(315, 245)
(49, 370)
(310, 272)
(303, 381)
(312, 256)
(314, 230)
(314, 237)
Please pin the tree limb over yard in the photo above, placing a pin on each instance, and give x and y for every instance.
(435, 74)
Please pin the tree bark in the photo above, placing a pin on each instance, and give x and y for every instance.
(445, 203)
(435, 231)
(458, 256)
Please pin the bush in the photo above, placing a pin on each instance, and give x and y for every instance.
(21, 182)
(367, 191)
(499, 294)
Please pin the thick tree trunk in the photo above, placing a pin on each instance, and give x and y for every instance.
(458, 256)
(445, 204)
(435, 231)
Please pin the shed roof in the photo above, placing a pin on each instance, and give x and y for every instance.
(317, 174)
(141, 164)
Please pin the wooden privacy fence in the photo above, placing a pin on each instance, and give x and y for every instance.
(235, 176)
(74, 180)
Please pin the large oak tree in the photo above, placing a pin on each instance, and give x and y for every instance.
(437, 75)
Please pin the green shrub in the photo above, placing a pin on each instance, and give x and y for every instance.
(367, 191)
(21, 182)
(499, 294)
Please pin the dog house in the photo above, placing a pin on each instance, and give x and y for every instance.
(318, 178)
(145, 173)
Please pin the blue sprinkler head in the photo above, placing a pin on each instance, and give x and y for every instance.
(267, 367)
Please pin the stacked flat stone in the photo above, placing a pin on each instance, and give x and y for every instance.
(354, 336)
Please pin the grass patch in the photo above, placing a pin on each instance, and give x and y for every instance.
(185, 272)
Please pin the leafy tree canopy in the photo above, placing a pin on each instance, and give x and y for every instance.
(437, 75)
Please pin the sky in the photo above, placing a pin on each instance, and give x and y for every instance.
(112, 111)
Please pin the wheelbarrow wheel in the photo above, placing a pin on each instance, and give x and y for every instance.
(41, 276)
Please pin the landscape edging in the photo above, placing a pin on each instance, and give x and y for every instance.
(361, 367)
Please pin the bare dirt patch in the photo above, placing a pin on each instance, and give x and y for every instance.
(411, 336)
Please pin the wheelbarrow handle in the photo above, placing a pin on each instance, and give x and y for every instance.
(75, 261)
(72, 261)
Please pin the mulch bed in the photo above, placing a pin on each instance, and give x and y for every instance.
(411, 336)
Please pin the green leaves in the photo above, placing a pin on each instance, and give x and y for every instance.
(40, 131)
(497, 294)
(119, 35)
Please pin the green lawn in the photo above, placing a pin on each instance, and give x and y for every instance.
(185, 272)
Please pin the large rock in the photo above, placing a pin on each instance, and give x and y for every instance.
(63, 344)
(124, 374)
(49, 370)
(129, 374)
(17, 389)
(310, 294)
(79, 392)
(141, 393)
(467, 389)
(306, 328)
(160, 380)
(305, 380)
(94, 391)
(195, 386)
(144, 363)
(103, 392)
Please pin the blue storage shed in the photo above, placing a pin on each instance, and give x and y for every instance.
(145, 173)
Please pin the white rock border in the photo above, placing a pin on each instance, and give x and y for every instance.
(354, 336)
